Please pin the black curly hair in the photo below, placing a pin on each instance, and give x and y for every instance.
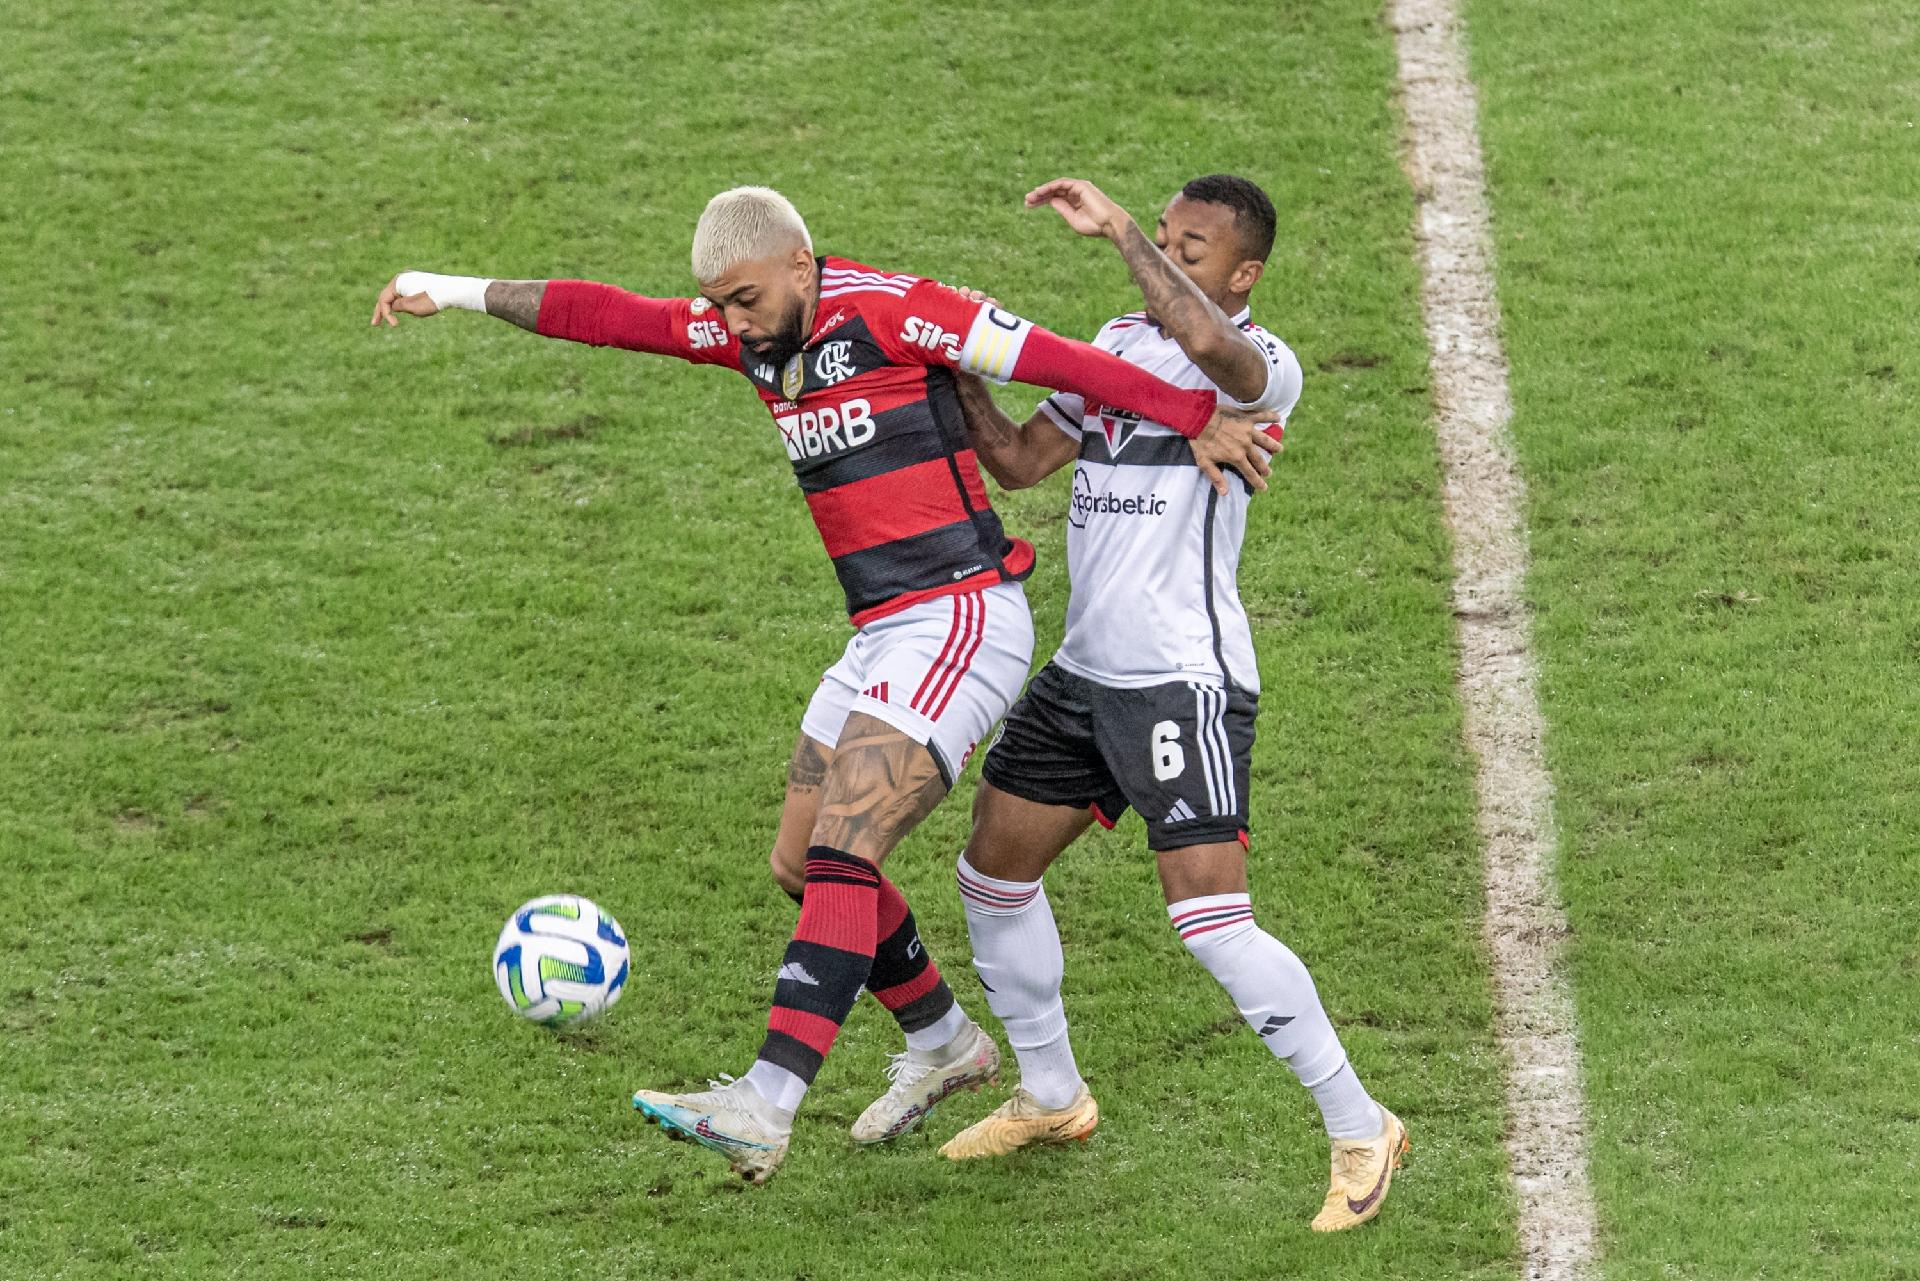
(1252, 209)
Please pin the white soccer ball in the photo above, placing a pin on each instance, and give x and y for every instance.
(560, 960)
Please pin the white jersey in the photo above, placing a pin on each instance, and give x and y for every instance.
(1152, 551)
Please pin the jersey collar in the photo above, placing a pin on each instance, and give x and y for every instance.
(1243, 317)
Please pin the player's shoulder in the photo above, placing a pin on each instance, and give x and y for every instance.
(843, 278)
(1267, 341)
(1121, 327)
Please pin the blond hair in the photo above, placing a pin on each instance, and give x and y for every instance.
(743, 224)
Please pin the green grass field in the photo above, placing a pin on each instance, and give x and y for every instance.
(326, 647)
(1708, 238)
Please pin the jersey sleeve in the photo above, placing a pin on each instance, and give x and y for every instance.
(1065, 411)
(939, 326)
(605, 316)
(1284, 377)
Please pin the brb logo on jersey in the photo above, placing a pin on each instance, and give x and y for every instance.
(827, 430)
(1086, 503)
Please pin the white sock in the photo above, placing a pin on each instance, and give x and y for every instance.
(1276, 997)
(780, 1089)
(1016, 950)
(937, 1036)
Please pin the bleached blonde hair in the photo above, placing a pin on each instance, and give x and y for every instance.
(743, 224)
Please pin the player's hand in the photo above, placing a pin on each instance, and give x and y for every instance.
(1240, 441)
(974, 295)
(391, 300)
(1085, 207)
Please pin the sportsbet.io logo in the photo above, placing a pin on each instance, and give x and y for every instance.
(1086, 503)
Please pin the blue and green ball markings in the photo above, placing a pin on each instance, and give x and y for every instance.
(586, 944)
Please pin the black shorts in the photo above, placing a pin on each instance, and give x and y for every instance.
(1177, 752)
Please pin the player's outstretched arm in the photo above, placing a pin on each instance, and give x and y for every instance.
(576, 310)
(1208, 336)
(1018, 455)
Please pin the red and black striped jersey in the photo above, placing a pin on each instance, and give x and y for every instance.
(870, 419)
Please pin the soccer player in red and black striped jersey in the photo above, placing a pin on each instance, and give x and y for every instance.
(856, 367)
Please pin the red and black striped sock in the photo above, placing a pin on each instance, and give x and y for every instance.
(904, 977)
(826, 964)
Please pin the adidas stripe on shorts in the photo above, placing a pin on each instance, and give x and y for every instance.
(941, 672)
(1177, 752)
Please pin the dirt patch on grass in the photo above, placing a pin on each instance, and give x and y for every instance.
(583, 428)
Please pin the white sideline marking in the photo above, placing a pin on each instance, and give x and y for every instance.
(1546, 1135)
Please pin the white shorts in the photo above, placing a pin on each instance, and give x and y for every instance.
(942, 672)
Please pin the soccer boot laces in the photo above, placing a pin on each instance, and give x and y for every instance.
(920, 1081)
(1362, 1172)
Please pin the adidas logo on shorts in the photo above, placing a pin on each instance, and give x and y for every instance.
(1181, 812)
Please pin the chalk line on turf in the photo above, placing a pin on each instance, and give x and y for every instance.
(1483, 494)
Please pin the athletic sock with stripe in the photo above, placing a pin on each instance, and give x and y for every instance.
(1016, 949)
(825, 966)
(905, 978)
(1276, 996)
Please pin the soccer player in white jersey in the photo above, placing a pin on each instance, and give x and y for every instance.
(1150, 700)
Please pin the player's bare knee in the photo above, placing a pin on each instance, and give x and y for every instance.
(1198, 871)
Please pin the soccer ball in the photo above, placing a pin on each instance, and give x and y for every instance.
(560, 960)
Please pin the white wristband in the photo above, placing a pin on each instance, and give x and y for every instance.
(467, 292)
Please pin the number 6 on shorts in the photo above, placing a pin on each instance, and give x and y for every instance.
(1169, 761)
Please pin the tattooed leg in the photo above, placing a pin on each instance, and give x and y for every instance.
(805, 776)
(879, 785)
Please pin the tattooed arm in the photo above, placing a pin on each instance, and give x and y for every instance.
(1203, 331)
(576, 310)
(516, 301)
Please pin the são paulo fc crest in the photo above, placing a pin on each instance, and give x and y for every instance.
(793, 378)
(1118, 426)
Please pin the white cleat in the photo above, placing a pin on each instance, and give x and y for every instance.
(731, 1119)
(920, 1081)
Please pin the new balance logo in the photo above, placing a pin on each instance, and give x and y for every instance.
(1274, 1023)
(794, 972)
(1183, 813)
